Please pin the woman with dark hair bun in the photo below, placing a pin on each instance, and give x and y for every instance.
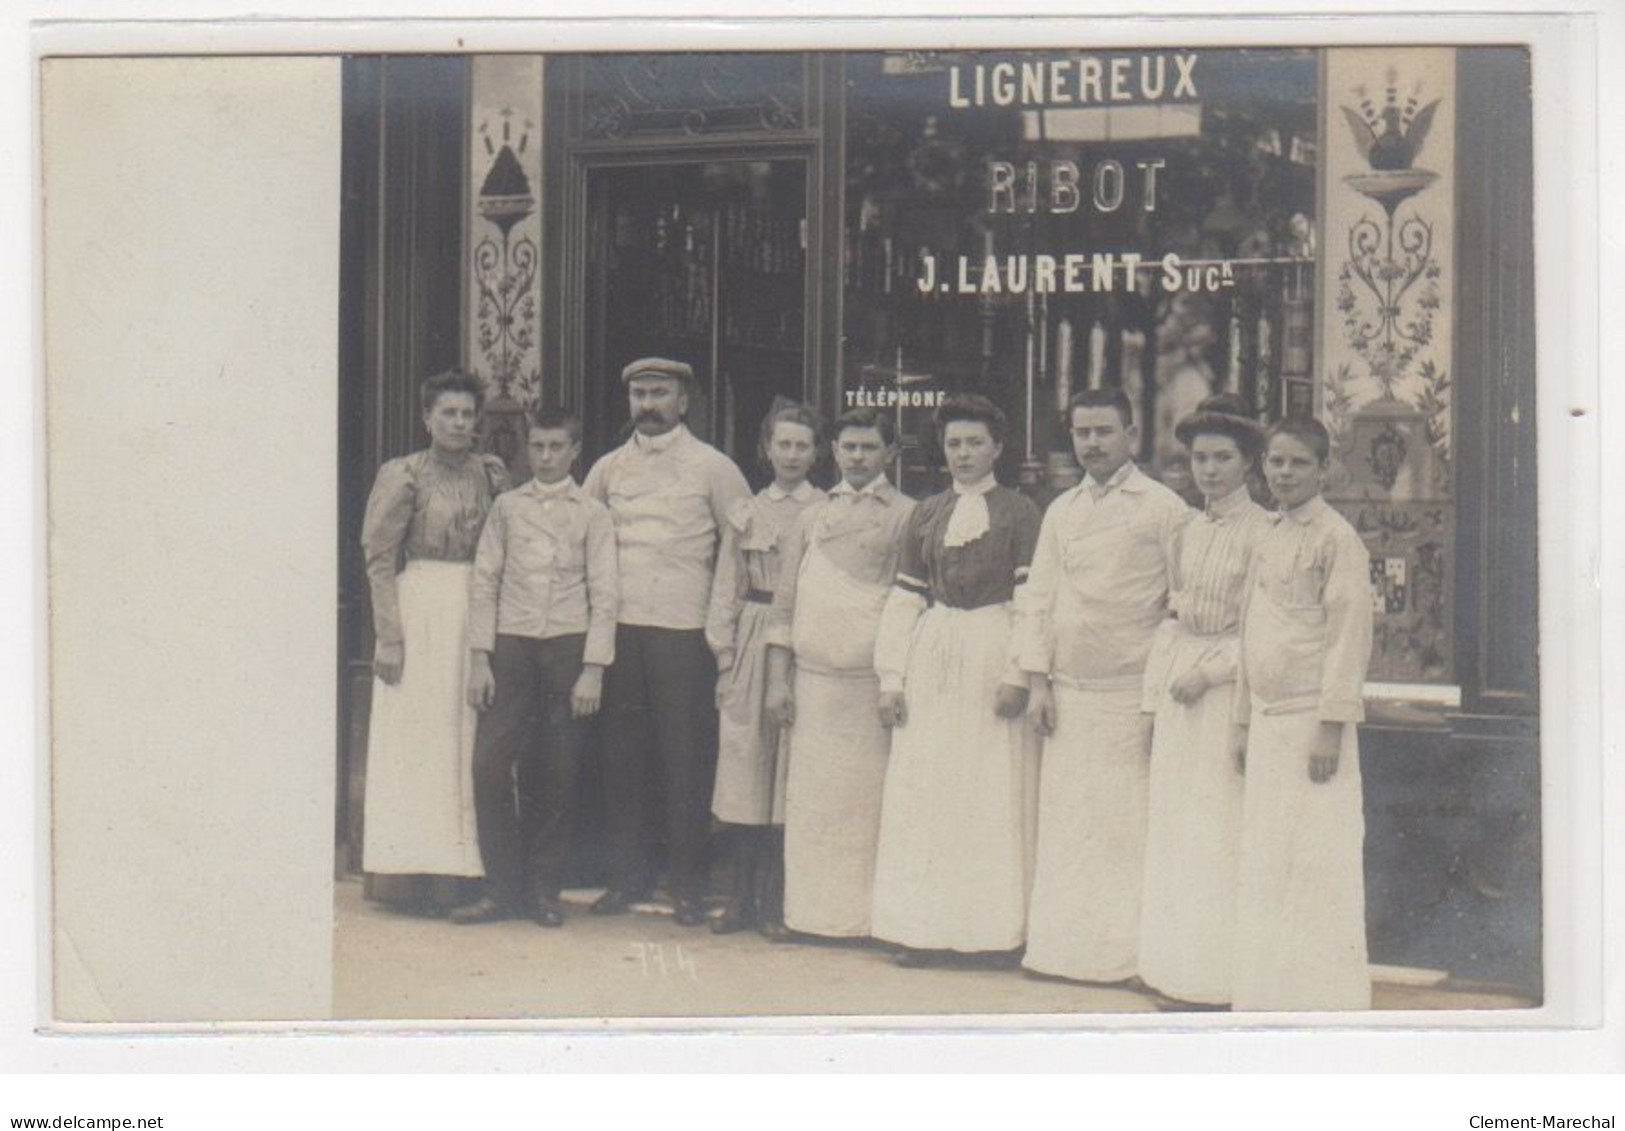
(1192, 838)
(952, 870)
(749, 795)
(421, 526)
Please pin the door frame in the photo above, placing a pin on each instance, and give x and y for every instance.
(568, 165)
(592, 327)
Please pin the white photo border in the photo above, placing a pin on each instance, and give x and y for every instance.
(1574, 551)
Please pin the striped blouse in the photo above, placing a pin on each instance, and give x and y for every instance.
(1211, 553)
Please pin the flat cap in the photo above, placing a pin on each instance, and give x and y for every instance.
(659, 367)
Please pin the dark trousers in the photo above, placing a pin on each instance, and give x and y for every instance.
(529, 727)
(660, 754)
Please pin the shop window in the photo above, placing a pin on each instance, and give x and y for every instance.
(1007, 222)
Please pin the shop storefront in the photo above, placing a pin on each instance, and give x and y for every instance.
(1347, 232)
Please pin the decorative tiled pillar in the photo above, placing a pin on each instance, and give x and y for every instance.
(502, 272)
(1387, 318)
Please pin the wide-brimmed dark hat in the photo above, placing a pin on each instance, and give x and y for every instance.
(658, 367)
(1225, 414)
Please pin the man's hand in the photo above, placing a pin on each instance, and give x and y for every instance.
(1010, 701)
(1189, 687)
(1238, 746)
(588, 693)
(388, 661)
(1041, 705)
(780, 703)
(482, 685)
(1323, 758)
(893, 709)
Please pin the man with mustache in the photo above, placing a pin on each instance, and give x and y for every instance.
(1097, 592)
(669, 493)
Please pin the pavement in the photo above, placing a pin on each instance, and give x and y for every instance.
(390, 966)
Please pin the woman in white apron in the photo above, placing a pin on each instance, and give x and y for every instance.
(838, 566)
(749, 795)
(1187, 919)
(956, 834)
(421, 526)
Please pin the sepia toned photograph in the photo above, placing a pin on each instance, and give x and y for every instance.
(1007, 537)
(924, 532)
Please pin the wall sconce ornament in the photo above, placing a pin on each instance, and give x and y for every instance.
(505, 268)
(507, 312)
(1389, 285)
(1387, 315)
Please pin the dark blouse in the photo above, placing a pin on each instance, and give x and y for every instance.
(983, 572)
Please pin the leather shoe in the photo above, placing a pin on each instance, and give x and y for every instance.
(734, 917)
(547, 913)
(617, 900)
(689, 912)
(775, 932)
(483, 910)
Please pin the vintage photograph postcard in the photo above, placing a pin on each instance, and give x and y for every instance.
(1039, 532)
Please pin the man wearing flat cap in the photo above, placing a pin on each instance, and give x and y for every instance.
(668, 492)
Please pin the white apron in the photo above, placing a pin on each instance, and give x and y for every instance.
(955, 854)
(837, 753)
(1300, 906)
(1300, 902)
(1187, 921)
(419, 815)
(750, 751)
(1085, 918)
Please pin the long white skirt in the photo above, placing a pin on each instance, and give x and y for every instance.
(420, 747)
(750, 760)
(1187, 922)
(837, 771)
(1085, 919)
(955, 854)
(1300, 905)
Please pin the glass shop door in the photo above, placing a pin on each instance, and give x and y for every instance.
(704, 262)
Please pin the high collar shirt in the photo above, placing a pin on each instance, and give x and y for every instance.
(1307, 624)
(877, 487)
(859, 532)
(423, 507)
(669, 497)
(1100, 580)
(654, 445)
(1211, 556)
(981, 487)
(803, 493)
(546, 567)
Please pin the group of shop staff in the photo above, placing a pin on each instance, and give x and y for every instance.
(1114, 742)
